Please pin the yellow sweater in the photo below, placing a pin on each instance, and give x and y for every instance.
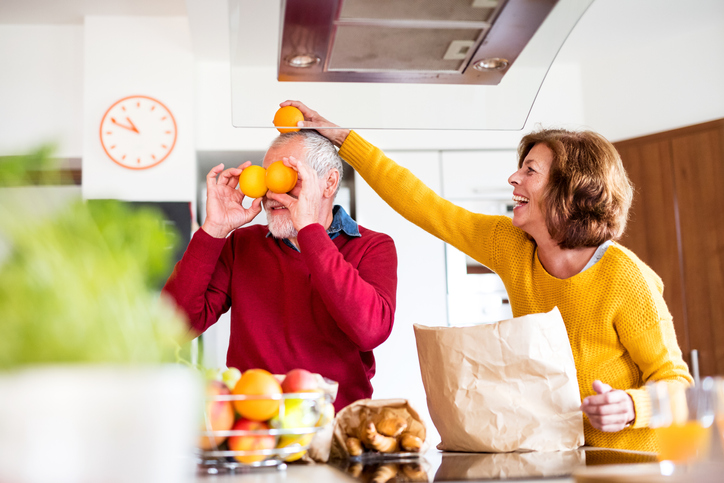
(619, 327)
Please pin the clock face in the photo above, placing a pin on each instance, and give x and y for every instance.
(138, 132)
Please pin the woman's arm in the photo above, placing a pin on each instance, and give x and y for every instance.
(471, 233)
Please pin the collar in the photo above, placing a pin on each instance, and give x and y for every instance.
(341, 221)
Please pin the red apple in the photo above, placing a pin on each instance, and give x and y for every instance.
(299, 380)
(219, 415)
(251, 442)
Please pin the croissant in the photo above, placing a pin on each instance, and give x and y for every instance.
(413, 472)
(355, 470)
(384, 473)
(392, 427)
(410, 442)
(354, 446)
(376, 441)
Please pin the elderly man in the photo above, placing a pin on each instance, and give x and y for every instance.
(313, 289)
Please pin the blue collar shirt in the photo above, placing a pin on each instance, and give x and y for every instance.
(341, 222)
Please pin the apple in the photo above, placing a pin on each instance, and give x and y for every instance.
(298, 413)
(326, 415)
(303, 440)
(218, 415)
(299, 380)
(231, 376)
(251, 442)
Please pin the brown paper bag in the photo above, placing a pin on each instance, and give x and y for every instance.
(507, 386)
(348, 421)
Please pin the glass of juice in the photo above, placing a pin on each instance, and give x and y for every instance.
(719, 413)
(683, 420)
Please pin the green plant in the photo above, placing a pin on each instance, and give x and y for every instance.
(75, 286)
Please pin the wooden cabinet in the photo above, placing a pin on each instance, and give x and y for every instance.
(677, 227)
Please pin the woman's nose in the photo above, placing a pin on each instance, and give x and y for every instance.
(513, 179)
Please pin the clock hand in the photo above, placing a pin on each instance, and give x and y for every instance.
(132, 125)
(130, 128)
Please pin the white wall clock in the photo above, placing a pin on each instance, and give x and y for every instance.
(138, 132)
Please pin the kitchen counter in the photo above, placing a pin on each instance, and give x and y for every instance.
(436, 466)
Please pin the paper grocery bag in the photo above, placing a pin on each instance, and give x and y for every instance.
(507, 386)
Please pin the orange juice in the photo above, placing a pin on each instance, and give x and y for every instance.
(683, 442)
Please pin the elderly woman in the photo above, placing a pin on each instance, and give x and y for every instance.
(572, 197)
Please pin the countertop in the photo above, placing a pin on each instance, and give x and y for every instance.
(436, 466)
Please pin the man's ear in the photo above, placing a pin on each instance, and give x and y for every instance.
(331, 183)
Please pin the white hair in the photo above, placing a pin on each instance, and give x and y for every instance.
(320, 153)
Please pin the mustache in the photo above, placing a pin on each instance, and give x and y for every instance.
(269, 203)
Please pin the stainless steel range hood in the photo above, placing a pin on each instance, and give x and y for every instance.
(397, 64)
(405, 41)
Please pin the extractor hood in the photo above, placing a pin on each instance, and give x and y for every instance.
(396, 64)
(405, 41)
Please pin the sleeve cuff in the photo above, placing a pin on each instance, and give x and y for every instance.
(354, 147)
(309, 237)
(642, 408)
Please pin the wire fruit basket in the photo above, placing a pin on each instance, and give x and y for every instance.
(250, 445)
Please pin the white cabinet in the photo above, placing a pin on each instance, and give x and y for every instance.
(477, 181)
(421, 287)
(470, 175)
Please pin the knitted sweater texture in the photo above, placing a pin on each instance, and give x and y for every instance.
(619, 327)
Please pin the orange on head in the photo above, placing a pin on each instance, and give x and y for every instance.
(252, 181)
(280, 178)
(288, 116)
(257, 382)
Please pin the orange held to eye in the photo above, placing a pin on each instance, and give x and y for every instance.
(280, 178)
(288, 116)
(252, 181)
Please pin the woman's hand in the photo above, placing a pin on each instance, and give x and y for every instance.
(304, 209)
(610, 410)
(224, 212)
(312, 119)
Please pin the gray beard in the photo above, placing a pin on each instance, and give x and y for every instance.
(280, 228)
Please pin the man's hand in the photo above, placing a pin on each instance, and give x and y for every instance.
(303, 210)
(224, 212)
(610, 410)
(312, 119)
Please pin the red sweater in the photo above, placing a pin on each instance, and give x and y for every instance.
(322, 309)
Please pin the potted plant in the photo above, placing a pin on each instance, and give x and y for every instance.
(89, 385)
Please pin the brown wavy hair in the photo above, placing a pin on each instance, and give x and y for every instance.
(588, 195)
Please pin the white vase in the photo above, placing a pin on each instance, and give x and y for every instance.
(90, 423)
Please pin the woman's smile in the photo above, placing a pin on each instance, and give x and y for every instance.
(530, 183)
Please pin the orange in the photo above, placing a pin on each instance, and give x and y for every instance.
(257, 382)
(288, 116)
(252, 182)
(280, 178)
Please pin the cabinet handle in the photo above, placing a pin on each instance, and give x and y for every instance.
(695, 365)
